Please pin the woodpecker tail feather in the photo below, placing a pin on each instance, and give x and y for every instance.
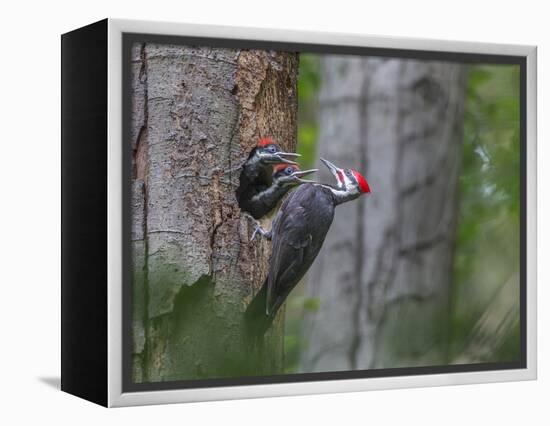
(256, 318)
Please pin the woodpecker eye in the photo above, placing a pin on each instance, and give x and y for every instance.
(271, 149)
(288, 170)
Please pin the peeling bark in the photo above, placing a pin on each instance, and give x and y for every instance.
(384, 275)
(197, 113)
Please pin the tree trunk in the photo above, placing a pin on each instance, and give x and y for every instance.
(384, 275)
(197, 113)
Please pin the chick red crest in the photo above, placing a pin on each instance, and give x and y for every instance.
(265, 141)
(363, 184)
(282, 166)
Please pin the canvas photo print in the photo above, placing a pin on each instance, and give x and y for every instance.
(307, 213)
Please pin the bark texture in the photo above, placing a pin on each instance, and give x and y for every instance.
(384, 275)
(197, 113)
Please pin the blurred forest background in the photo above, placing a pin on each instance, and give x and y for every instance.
(472, 312)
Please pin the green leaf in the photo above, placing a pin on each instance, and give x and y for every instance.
(312, 304)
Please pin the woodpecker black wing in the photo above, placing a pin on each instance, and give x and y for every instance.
(299, 230)
(287, 256)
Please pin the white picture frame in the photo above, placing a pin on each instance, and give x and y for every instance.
(116, 396)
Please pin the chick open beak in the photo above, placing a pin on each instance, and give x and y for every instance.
(301, 173)
(281, 157)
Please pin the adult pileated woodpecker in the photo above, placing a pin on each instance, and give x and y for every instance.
(285, 177)
(297, 234)
(256, 176)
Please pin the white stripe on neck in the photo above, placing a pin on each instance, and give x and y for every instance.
(341, 195)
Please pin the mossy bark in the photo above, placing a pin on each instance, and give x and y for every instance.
(197, 113)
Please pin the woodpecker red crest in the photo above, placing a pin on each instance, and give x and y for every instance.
(265, 142)
(282, 166)
(363, 184)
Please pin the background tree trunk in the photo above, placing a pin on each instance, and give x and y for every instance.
(385, 268)
(197, 113)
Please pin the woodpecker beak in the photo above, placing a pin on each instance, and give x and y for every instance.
(281, 157)
(299, 174)
(336, 172)
(278, 157)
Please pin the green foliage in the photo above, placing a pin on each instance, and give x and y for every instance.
(308, 129)
(486, 251)
(309, 77)
(312, 304)
(307, 144)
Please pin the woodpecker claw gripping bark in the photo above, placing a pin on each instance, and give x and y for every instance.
(259, 230)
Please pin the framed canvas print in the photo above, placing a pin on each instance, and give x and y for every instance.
(253, 212)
